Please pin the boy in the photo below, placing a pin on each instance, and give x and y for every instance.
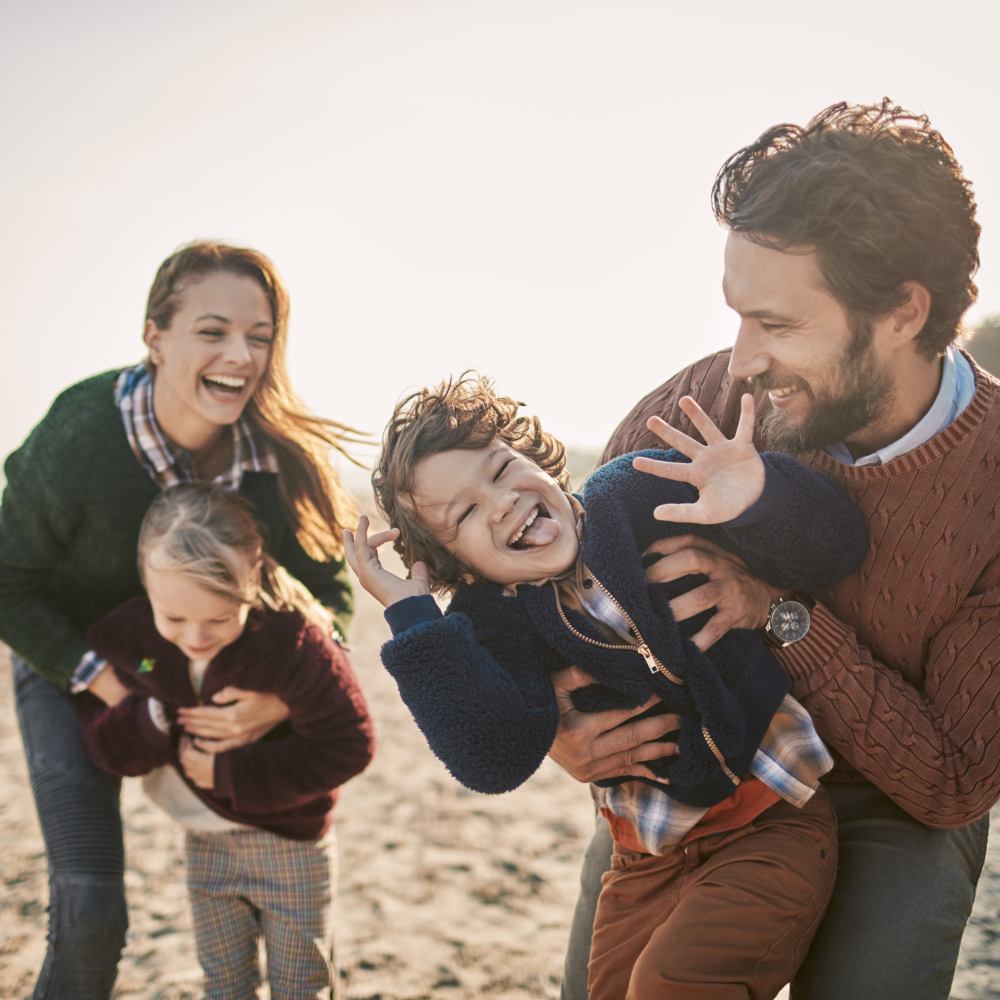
(480, 506)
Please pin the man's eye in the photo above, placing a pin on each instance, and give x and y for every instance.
(502, 468)
(771, 327)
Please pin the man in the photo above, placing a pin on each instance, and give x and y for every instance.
(849, 261)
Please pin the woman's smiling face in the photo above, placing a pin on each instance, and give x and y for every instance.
(497, 512)
(211, 357)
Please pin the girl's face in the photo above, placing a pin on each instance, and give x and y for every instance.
(198, 621)
(211, 357)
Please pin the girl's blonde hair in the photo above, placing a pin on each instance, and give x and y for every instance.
(210, 535)
(310, 490)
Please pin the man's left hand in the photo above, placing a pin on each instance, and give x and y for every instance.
(740, 600)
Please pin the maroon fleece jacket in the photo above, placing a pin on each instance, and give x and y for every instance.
(285, 782)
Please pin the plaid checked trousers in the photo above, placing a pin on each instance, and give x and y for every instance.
(246, 883)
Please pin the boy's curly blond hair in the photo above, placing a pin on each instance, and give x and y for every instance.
(465, 413)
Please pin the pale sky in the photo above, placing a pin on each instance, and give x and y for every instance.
(519, 186)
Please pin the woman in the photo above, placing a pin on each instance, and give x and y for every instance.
(212, 402)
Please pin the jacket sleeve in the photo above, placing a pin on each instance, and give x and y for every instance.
(332, 736)
(122, 739)
(480, 695)
(38, 519)
(934, 750)
(803, 533)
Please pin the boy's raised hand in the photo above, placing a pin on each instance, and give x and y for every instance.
(727, 472)
(386, 587)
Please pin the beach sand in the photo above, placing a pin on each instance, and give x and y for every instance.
(443, 893)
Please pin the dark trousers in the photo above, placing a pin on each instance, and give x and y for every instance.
(78, 808)
(893, 929)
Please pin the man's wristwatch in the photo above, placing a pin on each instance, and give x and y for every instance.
(788, 620)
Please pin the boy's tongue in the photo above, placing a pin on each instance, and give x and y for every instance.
(542, 531)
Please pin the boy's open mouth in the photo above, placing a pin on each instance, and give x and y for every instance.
(224, 385)
(539, 529)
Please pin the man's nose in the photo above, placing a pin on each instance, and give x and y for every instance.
(748, 357)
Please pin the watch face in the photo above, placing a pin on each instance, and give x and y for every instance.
(790, 621)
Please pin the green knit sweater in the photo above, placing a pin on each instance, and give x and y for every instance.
(69, 523)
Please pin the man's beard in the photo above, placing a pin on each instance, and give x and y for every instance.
(859, 397)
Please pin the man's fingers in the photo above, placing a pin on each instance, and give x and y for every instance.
(216, 746)
(694, 602)
(682, 513)
(635, 735)
(744, 429)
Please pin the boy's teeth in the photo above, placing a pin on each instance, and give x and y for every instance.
(524, 527)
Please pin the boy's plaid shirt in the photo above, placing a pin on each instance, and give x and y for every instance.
(168, 464)
(790, 760)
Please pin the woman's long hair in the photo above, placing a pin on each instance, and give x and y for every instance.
(309, 487)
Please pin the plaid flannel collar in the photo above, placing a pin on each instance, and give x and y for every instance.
(166, 462)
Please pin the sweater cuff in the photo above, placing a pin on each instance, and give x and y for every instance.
(411, 611)
(812, 661)
(150, 728)
(775, 499)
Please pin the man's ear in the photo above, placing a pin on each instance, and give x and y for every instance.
(910, 318)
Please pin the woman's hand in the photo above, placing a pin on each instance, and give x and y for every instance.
(236, 718)
(198, 765)
(384, 586)
(728, 473)
(596, 745)
(108, 687)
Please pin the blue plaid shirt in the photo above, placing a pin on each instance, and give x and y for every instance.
(168, 464)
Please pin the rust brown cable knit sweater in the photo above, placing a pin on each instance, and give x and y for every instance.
(901, 668)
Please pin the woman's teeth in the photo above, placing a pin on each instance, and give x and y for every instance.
(227, 383)
(524, 527)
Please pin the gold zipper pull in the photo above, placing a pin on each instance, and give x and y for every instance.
(647, 654)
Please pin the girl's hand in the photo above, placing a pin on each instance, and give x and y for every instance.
(198, 765)
(384, 586)
(235, 718)
(728, 473)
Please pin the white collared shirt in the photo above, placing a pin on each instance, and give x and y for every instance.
(958, 386)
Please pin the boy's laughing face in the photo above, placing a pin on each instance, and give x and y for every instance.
(497, 512)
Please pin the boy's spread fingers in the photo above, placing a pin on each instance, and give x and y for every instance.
(702, 421)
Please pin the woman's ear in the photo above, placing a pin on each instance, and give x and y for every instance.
(151, 338)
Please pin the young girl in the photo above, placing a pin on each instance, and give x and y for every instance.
(732, 853)
(219, 612)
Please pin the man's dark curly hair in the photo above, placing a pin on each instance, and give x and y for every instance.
(464, 413)
(878, 194)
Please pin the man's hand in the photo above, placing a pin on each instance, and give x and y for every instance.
(198, 765)
(236, 718)
(384, 586)
(740, 600)
(728, 473)
(596, 745)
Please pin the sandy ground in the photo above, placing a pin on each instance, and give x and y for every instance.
(443, 893)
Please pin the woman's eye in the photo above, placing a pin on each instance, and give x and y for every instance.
(211, 334)
(465, 513)
(502, 468)
(260, 340)
(218, 621)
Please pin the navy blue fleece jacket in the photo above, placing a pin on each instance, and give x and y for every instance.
(476, 679)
